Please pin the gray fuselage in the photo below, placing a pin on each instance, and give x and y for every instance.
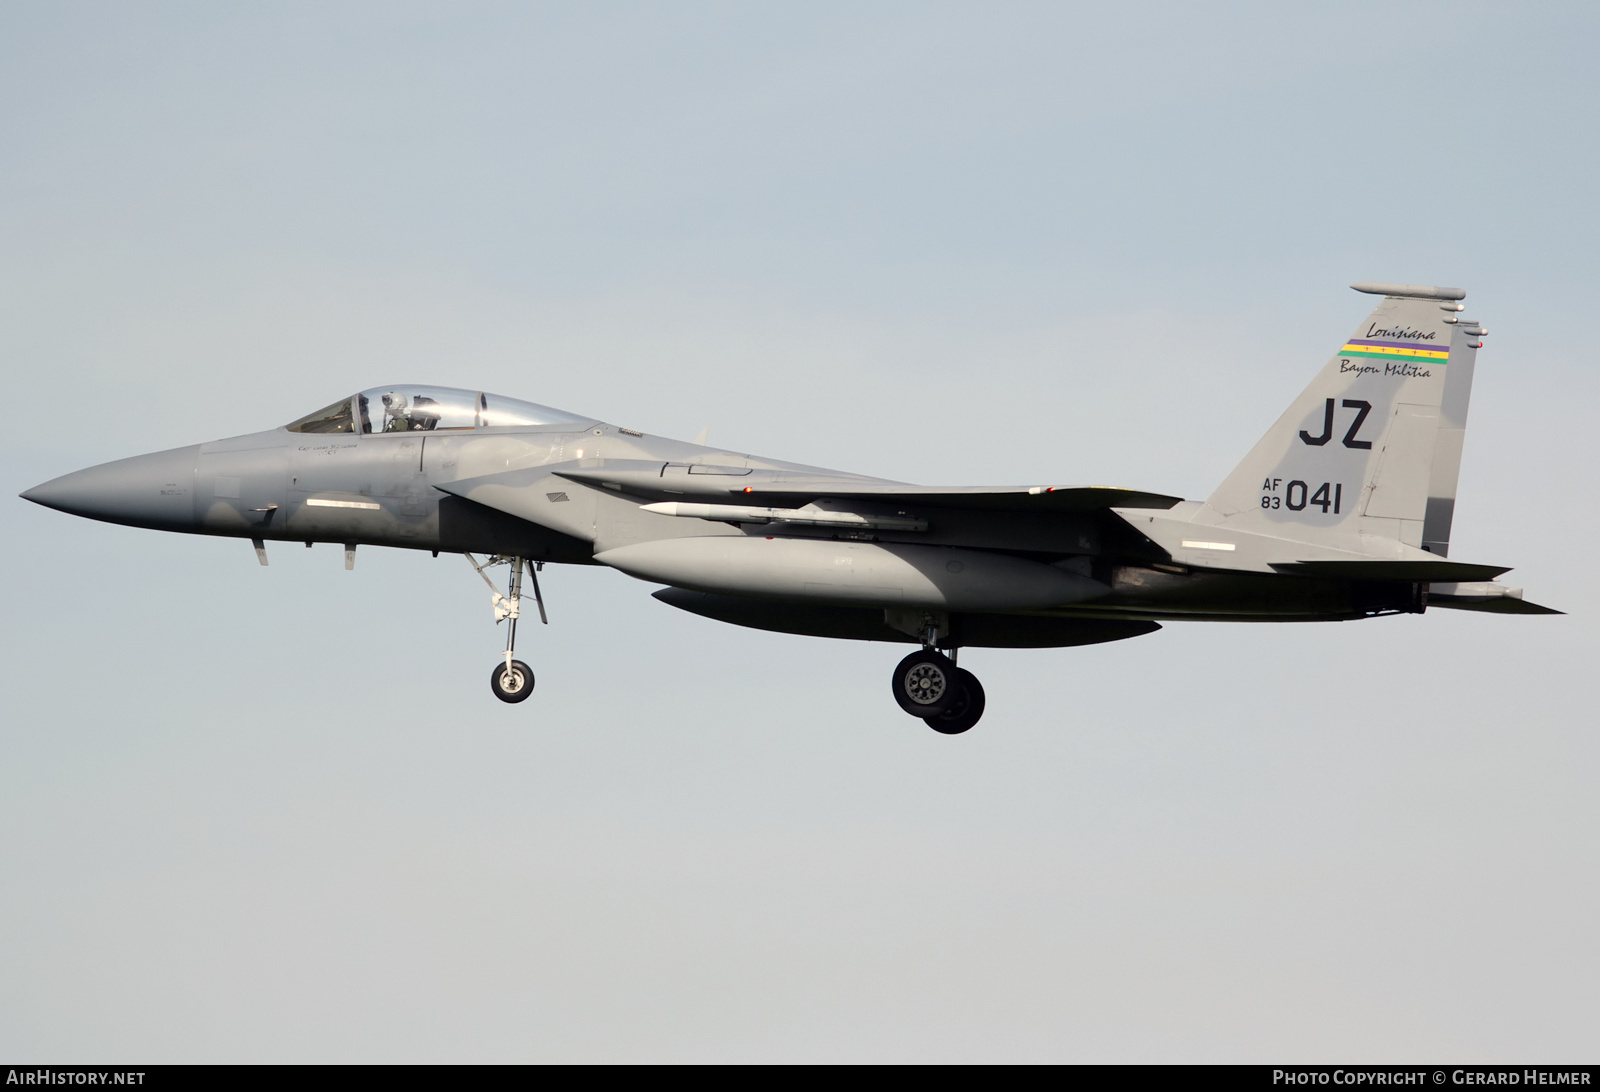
(411, 489)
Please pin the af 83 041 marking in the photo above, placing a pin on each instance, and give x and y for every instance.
(1297, 498)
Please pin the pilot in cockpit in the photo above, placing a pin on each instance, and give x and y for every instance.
(418, 413)
(394, 413)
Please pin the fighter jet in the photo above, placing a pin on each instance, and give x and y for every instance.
(1341, 511)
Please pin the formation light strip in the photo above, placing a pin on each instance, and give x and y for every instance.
(322, 502)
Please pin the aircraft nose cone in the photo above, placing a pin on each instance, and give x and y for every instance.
(155, 490)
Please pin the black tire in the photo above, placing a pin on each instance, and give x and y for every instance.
(925, 684)
(513, 685)
(965, 711)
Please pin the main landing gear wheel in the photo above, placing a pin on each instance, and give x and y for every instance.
(924, 683)
(512, 682)
(965, 710)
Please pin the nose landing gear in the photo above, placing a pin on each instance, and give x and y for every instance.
(928, 685)
(511, 681)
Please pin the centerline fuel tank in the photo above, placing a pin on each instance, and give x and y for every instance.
(862, 573)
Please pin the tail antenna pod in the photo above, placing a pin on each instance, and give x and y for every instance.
(1410, 291)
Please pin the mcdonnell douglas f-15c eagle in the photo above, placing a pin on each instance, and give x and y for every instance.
(1341, 511)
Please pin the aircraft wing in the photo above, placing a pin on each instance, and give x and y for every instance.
(1051, 498)
(783, 491)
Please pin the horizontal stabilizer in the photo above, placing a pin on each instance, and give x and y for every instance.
(1487, 596)
(1443, 571)
(1505, 605)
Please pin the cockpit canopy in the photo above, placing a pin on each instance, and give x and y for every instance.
(412, 408)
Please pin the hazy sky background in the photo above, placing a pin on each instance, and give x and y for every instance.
(275, 814)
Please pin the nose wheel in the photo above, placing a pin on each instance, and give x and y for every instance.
(511, 681)
(928, 685)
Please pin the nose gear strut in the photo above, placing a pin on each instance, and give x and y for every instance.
(511, 681)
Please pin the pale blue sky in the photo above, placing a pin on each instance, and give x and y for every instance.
(250, 814)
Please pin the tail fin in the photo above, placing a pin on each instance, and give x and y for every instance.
(1373, 446)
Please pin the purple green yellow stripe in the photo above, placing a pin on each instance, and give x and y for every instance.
(1392, 350)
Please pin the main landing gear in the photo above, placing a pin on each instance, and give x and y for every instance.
(929, 685)
(511, 681)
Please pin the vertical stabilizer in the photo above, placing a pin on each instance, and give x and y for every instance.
(1465, 338)
(1372, 447)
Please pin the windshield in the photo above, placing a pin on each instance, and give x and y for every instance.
(413, 408)
(334, 418)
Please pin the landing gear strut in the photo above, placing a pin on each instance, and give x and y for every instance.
(929, 685)
(511, 681)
